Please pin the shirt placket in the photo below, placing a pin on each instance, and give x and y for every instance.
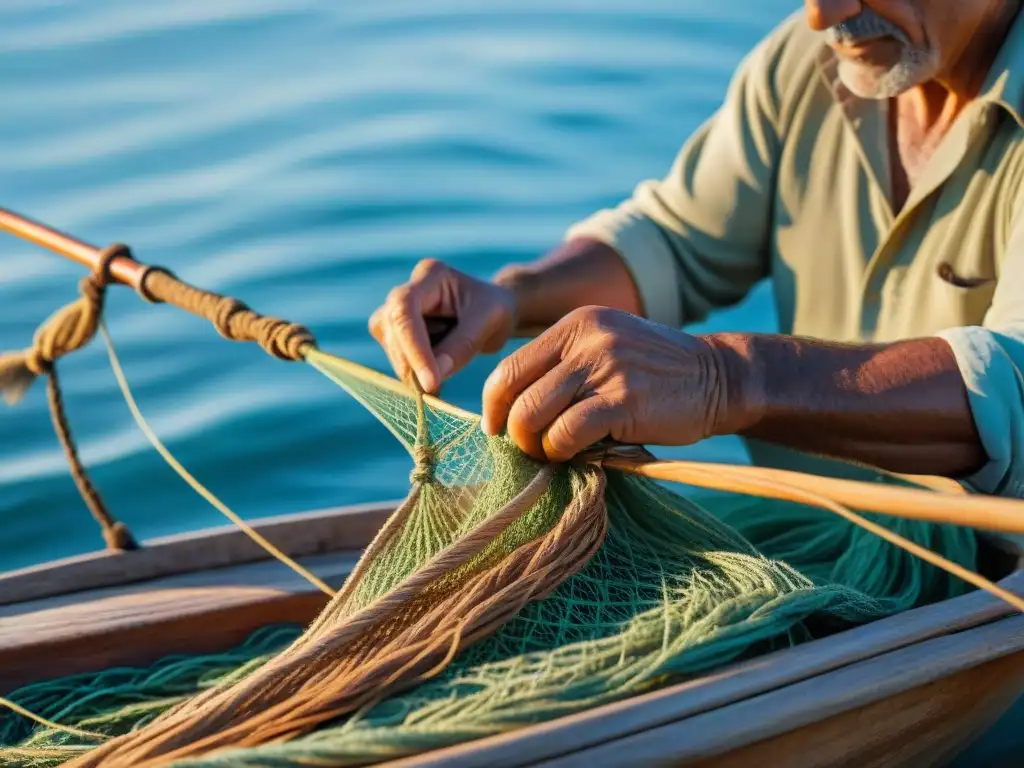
(949, 154)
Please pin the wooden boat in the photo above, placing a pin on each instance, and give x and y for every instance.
(914, 689)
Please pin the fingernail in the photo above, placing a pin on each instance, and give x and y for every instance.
(445, 364)
(426, 379)
(485, 426)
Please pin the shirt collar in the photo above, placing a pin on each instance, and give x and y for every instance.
(1004, 85)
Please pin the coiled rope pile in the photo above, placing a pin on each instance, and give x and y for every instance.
(501, 592)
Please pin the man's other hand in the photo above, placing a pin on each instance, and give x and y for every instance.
(484, 314)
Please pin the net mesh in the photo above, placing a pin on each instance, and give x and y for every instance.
(513, 593)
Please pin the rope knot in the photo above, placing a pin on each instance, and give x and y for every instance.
(233, 319)
(225, 310)
(35, 362)
(289, 339)
(67, 330)
(281, 339)
(119, 538)
(423, 473)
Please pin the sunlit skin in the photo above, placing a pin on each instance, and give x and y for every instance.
(600, 370)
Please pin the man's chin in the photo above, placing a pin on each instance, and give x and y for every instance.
(872, 82)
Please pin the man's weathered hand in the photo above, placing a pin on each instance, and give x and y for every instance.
(485, 315)
(601, 373)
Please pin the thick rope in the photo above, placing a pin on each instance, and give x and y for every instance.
(115, 533)
(233, 319)
(68, 330)
(74, 326)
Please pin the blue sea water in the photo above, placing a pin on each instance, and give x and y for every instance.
(302, 156)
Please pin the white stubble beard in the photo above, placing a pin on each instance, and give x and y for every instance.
(868, 82)
(916, 64)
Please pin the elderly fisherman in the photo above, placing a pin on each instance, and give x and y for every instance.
(868, 159)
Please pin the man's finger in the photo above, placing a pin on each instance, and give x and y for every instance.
(515, 373)
(409, 331)
(541, 403)
(376, 325)
(396, 357)
(462, 343)
(579, 427)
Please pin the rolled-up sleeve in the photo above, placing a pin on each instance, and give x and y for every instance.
(991, 359)
(698, 238)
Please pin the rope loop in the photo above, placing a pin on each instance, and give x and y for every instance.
(67, 330)
(74, 326)
(101, 275)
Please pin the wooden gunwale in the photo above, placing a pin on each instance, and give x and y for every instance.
(203, 612)
(299, 535)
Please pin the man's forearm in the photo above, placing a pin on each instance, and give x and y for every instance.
(579, 273)
(901, 406)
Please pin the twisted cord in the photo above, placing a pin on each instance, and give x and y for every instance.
(232, 318)
(68, 330)
(424, 456)
(115, 533)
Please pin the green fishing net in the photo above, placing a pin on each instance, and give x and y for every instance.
(680, 585)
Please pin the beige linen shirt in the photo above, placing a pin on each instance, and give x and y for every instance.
(790, 180)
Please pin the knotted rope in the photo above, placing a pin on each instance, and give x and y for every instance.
(74, 326)
(69, 329)
(232, 318)
(423, 455)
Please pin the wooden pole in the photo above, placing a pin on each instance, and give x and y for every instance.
(123, 270)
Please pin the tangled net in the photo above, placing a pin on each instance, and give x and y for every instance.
(502, 592)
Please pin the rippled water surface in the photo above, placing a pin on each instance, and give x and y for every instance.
(302, 157)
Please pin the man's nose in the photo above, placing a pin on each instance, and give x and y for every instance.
(822, 14)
